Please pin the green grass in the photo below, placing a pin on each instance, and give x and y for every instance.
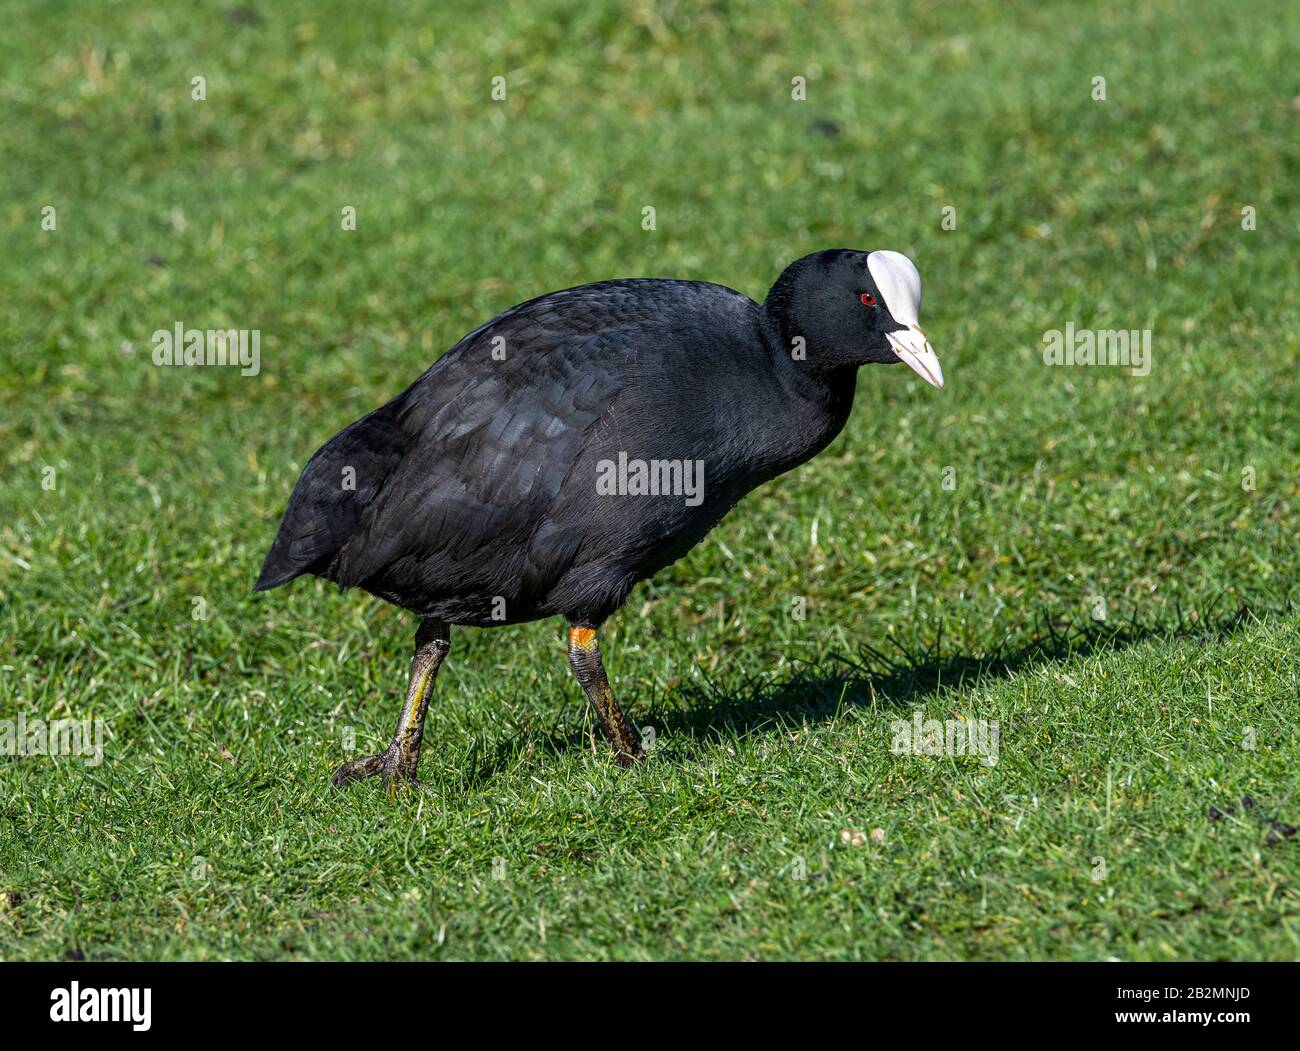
(208, 832)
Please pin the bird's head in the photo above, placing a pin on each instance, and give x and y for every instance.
(852, 308)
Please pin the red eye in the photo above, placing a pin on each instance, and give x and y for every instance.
(868, 300)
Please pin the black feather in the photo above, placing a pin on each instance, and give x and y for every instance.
(476, 498)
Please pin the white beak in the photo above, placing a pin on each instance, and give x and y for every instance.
(914, 349)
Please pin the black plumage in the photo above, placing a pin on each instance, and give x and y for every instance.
(472, 496)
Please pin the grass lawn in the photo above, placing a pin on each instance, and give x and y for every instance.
(1103, 564)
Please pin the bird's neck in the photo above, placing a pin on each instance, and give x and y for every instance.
(822, 399)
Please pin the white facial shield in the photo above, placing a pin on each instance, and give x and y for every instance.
(900, 288)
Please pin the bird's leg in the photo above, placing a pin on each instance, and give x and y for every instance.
(398, 761)
(584, 657)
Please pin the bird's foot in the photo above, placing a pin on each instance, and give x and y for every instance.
(629, 757)
(398, 772)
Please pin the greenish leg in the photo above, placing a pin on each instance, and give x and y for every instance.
(584, 657)
(398, 761)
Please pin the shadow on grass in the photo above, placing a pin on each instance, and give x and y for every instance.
(706, 711)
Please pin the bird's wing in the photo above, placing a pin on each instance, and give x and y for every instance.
(494, 426)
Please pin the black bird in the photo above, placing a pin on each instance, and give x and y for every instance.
(581, 442)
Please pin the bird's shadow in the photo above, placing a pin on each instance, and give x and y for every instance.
(702, 710)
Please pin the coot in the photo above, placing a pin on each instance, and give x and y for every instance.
(581, 442)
